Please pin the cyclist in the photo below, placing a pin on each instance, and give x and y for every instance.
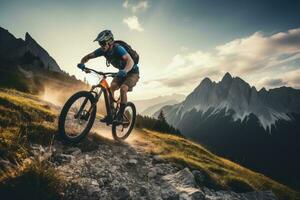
(127, 76)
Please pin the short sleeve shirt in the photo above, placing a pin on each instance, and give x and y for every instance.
(114, 56)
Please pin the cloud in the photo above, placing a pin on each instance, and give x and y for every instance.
(292, 78)
(133, 23)
(185, 79)
(252, 57)
(272, 82)
(289, 78)
(258, 52)
(177, 61)
(135, 6)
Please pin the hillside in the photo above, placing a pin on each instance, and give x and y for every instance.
(150, 165)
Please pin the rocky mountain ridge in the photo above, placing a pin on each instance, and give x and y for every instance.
(13, 49)
(233, 93)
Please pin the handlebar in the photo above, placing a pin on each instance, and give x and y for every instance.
(105, 74)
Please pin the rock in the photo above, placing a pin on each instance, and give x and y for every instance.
(169, 194)
(75, 151)
(101, 183)
(260, 195)
(67, 157)
(113, 169)
(158, 170)
(143, 191)
(181, 185)
(87, 158)
(229, 195)
(132, 162)
(152, 173)
(182, 178)
(93, 187)
(199, 177)
(157, 159)
(122, 193)
(132, 156)
(70, 150)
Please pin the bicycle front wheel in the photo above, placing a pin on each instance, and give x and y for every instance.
(77, 116)
(122, 131)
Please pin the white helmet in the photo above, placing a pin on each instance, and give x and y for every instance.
(105, 36)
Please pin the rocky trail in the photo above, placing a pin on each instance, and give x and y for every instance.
(100, 168)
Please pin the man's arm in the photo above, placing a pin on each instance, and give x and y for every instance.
(129, 62)
(88, 57)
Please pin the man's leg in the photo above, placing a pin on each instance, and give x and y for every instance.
(126, 86)
(113, 87)
(123, 91)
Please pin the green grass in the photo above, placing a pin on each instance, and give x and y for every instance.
(35, 180)
(25, 120)
(220, 173)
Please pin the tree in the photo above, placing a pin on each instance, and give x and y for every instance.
(161, 116)
(160, 124)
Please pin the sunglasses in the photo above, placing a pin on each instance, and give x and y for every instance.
(102, 43)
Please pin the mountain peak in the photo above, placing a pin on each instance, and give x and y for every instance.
(27, 36)
(263, 89)
(226, 80)
(206, 81)
(227, 76)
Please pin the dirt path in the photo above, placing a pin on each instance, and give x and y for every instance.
(101, 168)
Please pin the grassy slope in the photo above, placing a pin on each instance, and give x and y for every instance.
(220, 173)
(24, 120)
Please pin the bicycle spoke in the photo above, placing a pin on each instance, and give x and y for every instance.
(122, 129)
(75, 126)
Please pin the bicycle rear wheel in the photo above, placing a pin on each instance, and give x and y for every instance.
(77, 116)
(122, 131)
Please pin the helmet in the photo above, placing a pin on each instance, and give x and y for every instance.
(105, 36)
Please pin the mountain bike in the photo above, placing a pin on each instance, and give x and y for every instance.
(79, 112)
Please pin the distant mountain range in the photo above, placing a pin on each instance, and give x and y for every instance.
(259, 129)
(150, 106)
(152, 109)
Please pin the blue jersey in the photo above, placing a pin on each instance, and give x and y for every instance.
(115, 57)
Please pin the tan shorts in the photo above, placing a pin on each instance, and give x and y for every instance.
(130, 80)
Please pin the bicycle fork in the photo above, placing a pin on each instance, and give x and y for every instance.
(87, 114)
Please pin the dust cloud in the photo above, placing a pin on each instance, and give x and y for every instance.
(58, 94)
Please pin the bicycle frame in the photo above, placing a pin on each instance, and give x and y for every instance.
(108, 98)
(105, 89)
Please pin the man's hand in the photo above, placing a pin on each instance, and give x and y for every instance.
(81, 66)
(121, 73)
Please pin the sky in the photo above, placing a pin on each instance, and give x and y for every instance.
(180, 42)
